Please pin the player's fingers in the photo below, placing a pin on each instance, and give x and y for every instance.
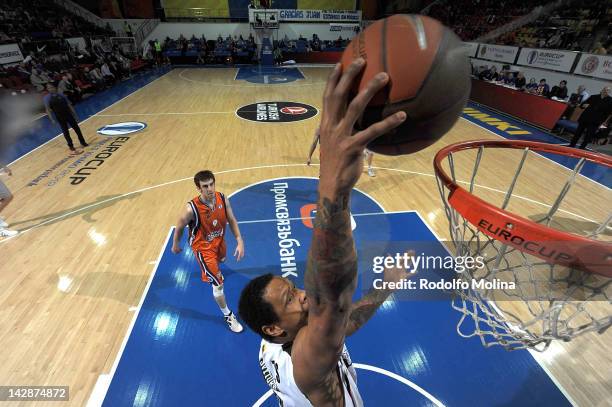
(359, 103)
(378, 129)
(332, 81)
(341, 92)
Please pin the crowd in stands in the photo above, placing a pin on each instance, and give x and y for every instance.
(472, 18)
(314, 44)
(39, 29)
(517, 80)
(31, 20)
(566, 28)
(223, 50)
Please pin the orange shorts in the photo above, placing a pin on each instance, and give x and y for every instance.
(209, 264)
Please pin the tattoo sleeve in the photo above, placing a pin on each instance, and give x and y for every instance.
(332, 263)
(365, 308)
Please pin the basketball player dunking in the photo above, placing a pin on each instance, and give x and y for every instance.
(302, 354)
(206, 216)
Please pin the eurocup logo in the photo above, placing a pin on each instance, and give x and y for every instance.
(533, 55)
(590, 64)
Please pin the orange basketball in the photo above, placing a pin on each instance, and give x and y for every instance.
(429, 79)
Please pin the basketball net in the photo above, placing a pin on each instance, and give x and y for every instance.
(554, 298)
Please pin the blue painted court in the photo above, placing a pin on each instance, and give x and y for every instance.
(269, 75)
(180, 352)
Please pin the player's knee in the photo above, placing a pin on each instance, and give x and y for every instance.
(217, 290)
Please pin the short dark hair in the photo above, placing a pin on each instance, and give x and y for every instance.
(254, 309)
(563, 82)
(203, 176)
(542, 80)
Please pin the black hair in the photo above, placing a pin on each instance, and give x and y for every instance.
(542, 80)
(254, 309)
(203, 176)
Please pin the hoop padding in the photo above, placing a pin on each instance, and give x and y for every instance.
(549, 244)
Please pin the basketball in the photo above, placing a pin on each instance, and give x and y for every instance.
(429, 79)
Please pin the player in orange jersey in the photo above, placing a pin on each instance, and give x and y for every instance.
(206, 216)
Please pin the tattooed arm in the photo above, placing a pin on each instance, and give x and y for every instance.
(366, 307)
(331, 272)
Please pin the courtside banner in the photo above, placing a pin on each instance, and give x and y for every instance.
(10, 53)
(471, 48)
(598, 66)
(501, 53)
(312, 15)
(547, 59)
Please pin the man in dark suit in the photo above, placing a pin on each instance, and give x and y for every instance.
(597, 112)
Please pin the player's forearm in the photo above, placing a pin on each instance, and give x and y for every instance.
(235, 229)
(365, 308)
(178, 233)
(332, 264)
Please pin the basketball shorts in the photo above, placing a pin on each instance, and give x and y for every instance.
(209, 261)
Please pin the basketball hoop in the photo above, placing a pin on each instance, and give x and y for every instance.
(562, 279)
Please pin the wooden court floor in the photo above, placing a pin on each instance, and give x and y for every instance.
(70, 281)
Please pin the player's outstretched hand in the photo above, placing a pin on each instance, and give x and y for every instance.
(341, 147)
(239, 252)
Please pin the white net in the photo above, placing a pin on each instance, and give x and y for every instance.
(518, 300)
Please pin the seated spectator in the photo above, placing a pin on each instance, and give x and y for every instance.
(520, 81)
(560, 91)
(532, 85)
(39, 79)
(543, 89)
(506, 78)
(95, 78)
(67, 88)
(106, 73)
(580, 96)
(599, 49)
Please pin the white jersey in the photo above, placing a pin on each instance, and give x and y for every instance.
(277, 368)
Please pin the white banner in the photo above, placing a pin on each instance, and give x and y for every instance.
(78, 43)
(598, 66)
(470, 48)
(344, 27)
(312, 15)
(10, 53)
(547, 59)
(501, 53)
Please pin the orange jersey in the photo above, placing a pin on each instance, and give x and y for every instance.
(207, 228)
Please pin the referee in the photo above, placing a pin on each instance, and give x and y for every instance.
(65, 115)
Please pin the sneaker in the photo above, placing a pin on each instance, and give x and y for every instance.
(11, 233)
(84, 145)
(371, 172)
(3, 223)
(76, 151)
(233, 323)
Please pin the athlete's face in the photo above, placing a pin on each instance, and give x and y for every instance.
(291, 306)
(207, 189)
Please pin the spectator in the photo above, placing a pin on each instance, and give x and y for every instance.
(532, 85)
(580, 96)
(597, 113)
(543, 89)
(128, 29)
(39, 79)
(520, 81)
(560, 92)
(599, 49)
(67, 88)
(106, 73)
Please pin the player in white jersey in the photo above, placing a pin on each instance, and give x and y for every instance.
(302, 355)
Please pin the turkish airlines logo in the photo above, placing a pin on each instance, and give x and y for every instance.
(294, 110)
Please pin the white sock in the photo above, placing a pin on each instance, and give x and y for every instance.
(226, 311)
